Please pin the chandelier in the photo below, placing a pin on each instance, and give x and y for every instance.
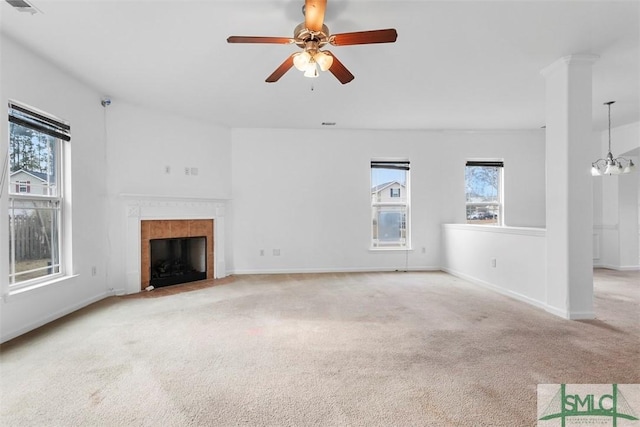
(611, 165)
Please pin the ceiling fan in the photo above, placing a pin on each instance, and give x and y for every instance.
(311, 36)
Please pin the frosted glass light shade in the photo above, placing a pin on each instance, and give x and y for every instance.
(612, 169)
(323, 60)
(301, 61)
(312, 70)
(630, 167)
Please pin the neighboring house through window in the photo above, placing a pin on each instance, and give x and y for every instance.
(483, 188)
(28, 181)
(390, 204)
(36, 199)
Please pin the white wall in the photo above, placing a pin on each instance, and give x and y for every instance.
(141, 145)
(116, 151)
(616, 211)
(143, 142)
(307, 193)
(28, 79)
(510, 260)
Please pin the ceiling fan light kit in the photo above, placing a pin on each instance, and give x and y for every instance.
(311, 58)
(611, 165)
(311, 36)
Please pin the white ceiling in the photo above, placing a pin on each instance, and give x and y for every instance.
(455, 65)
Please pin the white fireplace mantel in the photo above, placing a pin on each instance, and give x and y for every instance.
(146, 207)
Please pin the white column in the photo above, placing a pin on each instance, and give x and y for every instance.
(569, 195)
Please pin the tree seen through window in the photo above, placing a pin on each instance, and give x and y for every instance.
(483, 190)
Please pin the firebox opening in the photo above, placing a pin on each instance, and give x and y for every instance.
(178, 260)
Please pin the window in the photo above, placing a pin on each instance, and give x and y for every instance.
(390, 204)
(483, 182)
(23, 187)
(35, 217)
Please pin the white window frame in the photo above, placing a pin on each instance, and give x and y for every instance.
(500, 203)
(57, 202)
(405, 244)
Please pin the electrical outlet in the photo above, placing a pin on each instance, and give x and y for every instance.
(493, 262)
(194, 171)
(424, 250)
(276, 252)
(187, 171)
(94, 270)
(261, 252)
(167, 169)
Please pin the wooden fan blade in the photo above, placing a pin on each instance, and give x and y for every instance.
(279, 72)
(364, 37)
(259, 39)
(314, 14)
(339, 70)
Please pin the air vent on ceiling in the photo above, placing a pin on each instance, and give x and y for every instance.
(23, 6)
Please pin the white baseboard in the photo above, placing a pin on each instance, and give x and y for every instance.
(582, 315)
(571, 315)
(51, 317)
(240, 272)
(618, 267)
(557, 312)
(576, 315)
(498, 289)
(621, 267)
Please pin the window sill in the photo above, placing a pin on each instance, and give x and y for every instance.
(390, 249)
(33, 287)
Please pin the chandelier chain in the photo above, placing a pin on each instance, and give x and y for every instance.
(609, 127)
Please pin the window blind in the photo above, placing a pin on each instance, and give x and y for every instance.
(389, 164)
(37, 121)
(490, 163)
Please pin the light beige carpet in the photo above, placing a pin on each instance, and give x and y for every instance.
(380, 349)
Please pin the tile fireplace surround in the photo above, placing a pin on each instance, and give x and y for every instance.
(164, 229)
(159, 217)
